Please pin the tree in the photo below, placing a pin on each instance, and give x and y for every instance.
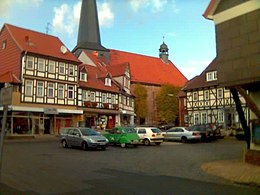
(140, 93)
(167, 103)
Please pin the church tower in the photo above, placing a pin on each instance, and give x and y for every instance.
(163, 52)
(88, 34)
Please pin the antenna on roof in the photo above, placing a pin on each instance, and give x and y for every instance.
(48, 27)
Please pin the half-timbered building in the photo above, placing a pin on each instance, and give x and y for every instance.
(104, 93)
(237, 40)
(208, 103)
(43, 76)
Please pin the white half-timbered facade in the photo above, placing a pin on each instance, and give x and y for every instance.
(208, 103)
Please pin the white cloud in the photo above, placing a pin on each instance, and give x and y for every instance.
(154, 5)
(105, 14)
(66, 22)
(194, 68)
(6, 5)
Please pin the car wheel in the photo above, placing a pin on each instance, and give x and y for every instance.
(146, 142)
(84, 146)
(158, 143)
(123, 145)
(64, 144)
(183, 139)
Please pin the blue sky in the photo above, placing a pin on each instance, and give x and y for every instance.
(136, 26)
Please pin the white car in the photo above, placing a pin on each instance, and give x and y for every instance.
(181, 134)
(150, 135)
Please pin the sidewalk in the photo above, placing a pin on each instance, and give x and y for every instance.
(236, 171)
(35, 138)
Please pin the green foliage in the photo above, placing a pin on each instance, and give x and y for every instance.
(140, 93)
(167, 103)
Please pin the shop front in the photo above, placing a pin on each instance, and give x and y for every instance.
(28, 121)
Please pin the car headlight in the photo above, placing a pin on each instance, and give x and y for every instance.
(91, 140)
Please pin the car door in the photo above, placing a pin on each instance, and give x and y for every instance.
(169, 134)
(178, 133)
(77, 137)
(69, 137)
(141, 133)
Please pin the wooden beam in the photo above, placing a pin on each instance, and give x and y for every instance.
(249, 101)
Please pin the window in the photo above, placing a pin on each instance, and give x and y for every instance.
(206, 95)
(83, 76)
(184, 101)
(41, 64)
(196, 118)
(61, 91)
(29, 62)
(3, 44)
(195, 96)
(40, 88)
(211, 76)
(51, 67)
(92, 96)
(70, 92)
(204, 118)
(104, 98)
(84, 95)
(186, 118)
(71, 70)
(61, 68)
(141, 131)
(28, 87)
(50, 90)
(220, 117)
(220, 93)
(113, 99)
(107, 81)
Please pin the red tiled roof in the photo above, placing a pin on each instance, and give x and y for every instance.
(146, 69)
(94, 81)
(39, 43)
(9, 77)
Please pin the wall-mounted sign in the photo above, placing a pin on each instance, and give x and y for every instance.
(6, 96)
(51, 111)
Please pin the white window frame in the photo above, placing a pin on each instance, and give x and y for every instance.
(50, 91)
(71, 70)
(61, 89)
(195, 96)
(220, 93)
(92, 96)
(221, 117)
(4, 44)
(104, 98)
(206, 95)
(113, 99)
(84, 95)
(51, 67)
(28, 87)
(196, 118)
(40, 88)
(108, 81)
(83, 76)
(41, 63)
(204, 118)
(30, 62)
(70, 92)
(215, 75)
(62, 69)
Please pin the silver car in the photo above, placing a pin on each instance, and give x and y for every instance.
(181, 134)
(82, 137)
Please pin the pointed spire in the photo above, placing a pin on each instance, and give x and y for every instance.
(163, 52)
(88, 34)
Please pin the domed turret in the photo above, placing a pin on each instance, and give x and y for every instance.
(163, 52)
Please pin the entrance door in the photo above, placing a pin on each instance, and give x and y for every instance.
(47, 125)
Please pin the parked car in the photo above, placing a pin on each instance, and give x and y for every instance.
(123, 136)
(150, 135)
(205, 132)
(182, 134)
(82, 137)
(165, 127)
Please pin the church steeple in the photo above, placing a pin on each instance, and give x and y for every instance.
(88, 34)
(163, 52)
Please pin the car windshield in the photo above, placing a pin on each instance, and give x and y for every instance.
(128, 130)
(88, 132)
(155, 130)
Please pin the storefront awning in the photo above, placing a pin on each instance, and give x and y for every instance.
(38, 109)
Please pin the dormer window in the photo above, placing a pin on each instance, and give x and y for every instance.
(211, 76)
(3, 44)
(83, 76)
(107, 81)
